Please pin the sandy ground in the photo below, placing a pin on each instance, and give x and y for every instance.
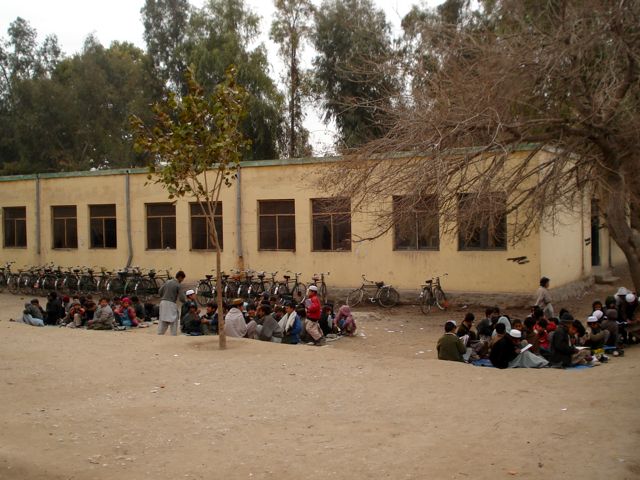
(132, 405)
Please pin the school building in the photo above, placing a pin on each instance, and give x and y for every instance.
(273, 219)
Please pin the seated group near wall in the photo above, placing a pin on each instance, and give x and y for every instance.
(541, 340)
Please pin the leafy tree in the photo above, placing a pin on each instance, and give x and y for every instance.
(196, 145)
(562, 76)
(353, 42)
(165, 33)
(290, 27)
(221, 34)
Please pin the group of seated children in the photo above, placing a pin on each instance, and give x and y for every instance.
(539, 341)
(83, 312)
(291, 323)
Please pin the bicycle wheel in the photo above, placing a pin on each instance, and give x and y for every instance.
(3, 282)
(243, 290)
(255, 290)
(143, 289)
(24, 284)
(48, 283)
(115, 286)
(299, 291)
(388, 296)
(441, 299)
(12, 284)
(426, 300)
(204, 293)
(355, 297)
(87, 284)
(322, 292)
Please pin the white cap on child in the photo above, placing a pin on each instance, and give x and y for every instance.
(592, 319)
(515, 333)
(598, 314)
(189, 292)
(630, 297)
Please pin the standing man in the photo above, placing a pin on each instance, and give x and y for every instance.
(168, 315)
(314, 312)
(543, 298)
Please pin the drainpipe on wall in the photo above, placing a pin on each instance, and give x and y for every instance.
(127, 206)
(239, 220)
(38, 231)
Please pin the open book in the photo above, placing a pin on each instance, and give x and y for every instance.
(525, 348)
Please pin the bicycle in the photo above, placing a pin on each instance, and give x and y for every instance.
(384, 295)
(205, 291)
(432, 294)
(297, 292)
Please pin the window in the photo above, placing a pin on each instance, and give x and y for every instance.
(277, 225)
(331, 218)
(65, 227)
(416, 223)
(483, 226)
(102, 226)
(161, 226)
(15, 226)
(200, 230)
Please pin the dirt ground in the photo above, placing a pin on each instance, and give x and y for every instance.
(82, 404)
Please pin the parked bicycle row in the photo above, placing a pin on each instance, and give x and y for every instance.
(251, 284)
(40, 280)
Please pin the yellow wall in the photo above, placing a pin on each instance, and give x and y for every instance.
(468, 271)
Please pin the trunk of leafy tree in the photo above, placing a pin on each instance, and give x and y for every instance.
(222, 337)
(620, 227)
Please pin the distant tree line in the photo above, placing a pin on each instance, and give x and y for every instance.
(71, 112)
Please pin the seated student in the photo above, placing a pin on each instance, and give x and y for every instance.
(597, 305)
(191, 323)
(74, 317)
(563, 353)
(504, 320)
(189, 296)
(209, 319)
(103, 317)
(450, 346)
(267, 327)
(314, 311)
(596, 336)
(543, 335)
(235, 324)
(498, 334)
(507, 353)
(344, 321)
(126, 314)
(485, 327)
(250, 312)
(327, 320)
(610, 324)
(138, 306)
(54, 309)
(633, 324)
(291, 324)
(465, 329)
(278, 312)
(579, 338)
(531, 335)
(33, 314)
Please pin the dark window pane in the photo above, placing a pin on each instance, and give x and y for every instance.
(96, 233)
(342, 232)
(287, 232)
(322, 232)
(218, 224)
(15, 212)
(161, 209)
(153, 233)
(273, 207)
(9, 233)
(169, 232)
(102, 210)
(21, 233)
(64, 212)
(428, 231)
(58, 234)
(331, 205)
(198, 209)
(268, 238)
(72, 233)
(198, 233)
(110, 233)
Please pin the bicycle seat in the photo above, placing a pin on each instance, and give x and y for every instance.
(261, 275)
(428, 282)
(224, 277)
(209, 277)
(152, 274)
(287, 277)
(379, 284)
(76, 270)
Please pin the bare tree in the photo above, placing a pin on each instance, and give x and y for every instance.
(560, 80)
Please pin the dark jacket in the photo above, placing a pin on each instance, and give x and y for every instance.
(463, 330)
(502, 352)
(55, 311)
(191, 324)
(485, 328)
(561, 348)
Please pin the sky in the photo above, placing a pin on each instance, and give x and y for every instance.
(109, 20)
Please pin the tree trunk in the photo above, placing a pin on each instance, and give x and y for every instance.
(626, 237)
(222, 337)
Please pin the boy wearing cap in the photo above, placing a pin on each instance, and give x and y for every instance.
(235, 324)
(191, 323)
(449, 346)
(314, 313)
